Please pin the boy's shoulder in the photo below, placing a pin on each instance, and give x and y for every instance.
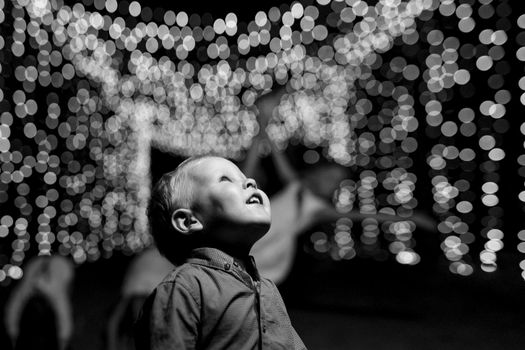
(190, 275)
(182, 273)
(186, 277)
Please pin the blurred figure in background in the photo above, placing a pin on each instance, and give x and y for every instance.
(38, 311)
(145, 272)
(303, 202)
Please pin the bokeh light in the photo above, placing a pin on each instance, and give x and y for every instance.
(389, 90)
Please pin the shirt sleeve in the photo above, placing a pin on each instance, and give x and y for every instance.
(297, 341)
(169, 319)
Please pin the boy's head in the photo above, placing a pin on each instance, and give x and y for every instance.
(207, 201)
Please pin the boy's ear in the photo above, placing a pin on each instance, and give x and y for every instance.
(185, 222)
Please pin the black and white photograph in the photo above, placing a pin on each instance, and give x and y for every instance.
(262, 175)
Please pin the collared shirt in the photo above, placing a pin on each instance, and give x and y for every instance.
(211, 302)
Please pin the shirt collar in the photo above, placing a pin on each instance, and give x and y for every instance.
(218, 259)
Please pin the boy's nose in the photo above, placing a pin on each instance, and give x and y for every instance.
(250, 183)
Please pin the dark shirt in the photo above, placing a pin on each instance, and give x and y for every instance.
(211, 302)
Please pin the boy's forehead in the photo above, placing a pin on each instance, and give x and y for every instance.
(210, 166)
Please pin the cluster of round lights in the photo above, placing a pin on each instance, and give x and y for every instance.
(188, 84)
(520, 54)
(453, 157)
(399, 183)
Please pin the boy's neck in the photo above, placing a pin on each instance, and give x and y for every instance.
(238, 251)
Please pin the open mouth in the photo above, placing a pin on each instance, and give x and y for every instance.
(255, 199)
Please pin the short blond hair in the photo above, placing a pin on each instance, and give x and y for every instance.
(174, 190)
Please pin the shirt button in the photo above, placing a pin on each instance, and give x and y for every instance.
(227, 266)
(264, 329)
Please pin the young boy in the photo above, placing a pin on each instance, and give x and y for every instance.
(208, 214)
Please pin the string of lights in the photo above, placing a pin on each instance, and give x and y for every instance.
(86, 90)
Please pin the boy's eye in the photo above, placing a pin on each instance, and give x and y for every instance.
(225, 178)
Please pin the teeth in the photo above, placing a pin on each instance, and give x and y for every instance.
(254, 200)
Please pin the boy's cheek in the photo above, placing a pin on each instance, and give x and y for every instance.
(266, 202)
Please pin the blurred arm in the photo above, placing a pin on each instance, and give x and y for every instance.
(252, 158)
(64, 319)
(283, 167)
(266, 106)
(114, 322)
(14, 308)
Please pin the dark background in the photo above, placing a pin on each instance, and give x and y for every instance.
(360, 304)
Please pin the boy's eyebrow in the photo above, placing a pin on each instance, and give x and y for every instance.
(224, 172)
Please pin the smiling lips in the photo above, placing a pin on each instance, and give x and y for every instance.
(255, 199)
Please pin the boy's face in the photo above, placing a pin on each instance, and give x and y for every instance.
(226, 199)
